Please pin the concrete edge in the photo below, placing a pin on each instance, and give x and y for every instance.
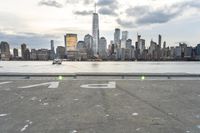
(99, 74)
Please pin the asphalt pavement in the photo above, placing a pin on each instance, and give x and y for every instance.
(99, 106)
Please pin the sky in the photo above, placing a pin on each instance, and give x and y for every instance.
(36, 22)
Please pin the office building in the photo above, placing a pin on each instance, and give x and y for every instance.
(26, 54)
(142, 45)
(88, 39)
(159, 40)
(117, 37)
(70, 42)
(178, 52)
(4, 51)
(129, 43)
(82, 50)
(33, 54)
(23, 49)
(60, 52)
(95, 33)
(124, 38)
(52, 51)
(15, 53)
(43, 54)
(102, 47)
(81, 45)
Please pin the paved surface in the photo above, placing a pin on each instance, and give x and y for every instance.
(131, 107)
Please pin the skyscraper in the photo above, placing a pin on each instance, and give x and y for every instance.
(71, 42)
(52, 46)
(4, 51)
(95, 33)
(124, 38)
(102, 47)
(60, 52)
(159, 40)
(117, 37)
(89, 42)
(15, 52)
(129, 43)
(27, 54)
(52, 51)
(23, 49)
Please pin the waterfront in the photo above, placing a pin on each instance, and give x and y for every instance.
(99, 67)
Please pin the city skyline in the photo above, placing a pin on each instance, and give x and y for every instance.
(36, 27)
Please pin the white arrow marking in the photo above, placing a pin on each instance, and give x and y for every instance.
(51, 85)
(103, 86)
(7, 82)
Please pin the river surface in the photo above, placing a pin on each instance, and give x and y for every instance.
(99, 67)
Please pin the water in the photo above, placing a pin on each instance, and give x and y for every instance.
(98, 67)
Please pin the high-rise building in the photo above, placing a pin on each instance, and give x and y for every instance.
(89, 42)
(102, 47)
(43, 54)
(52, 45)
(23, 49)
(4, 51)
(117, 37)
(124, 38)
(129, 43)
(178, 52)
(152, 50)
(33, 54)
(70, 42)
(81, 45)
(142, 45)
(164, 44)
(60, 52)
(27, 54)
(52, 51)
(95, 33)
(137, 44)
(159, 40)
(82, 50)
(198, 50)
(15, 53)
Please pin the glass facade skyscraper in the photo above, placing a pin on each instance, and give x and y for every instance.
(95, 33)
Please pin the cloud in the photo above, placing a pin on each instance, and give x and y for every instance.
(113, 4)
(83, 13)
(108, 7)
(145, 15)
(51, 3)
(125, 23)
(85, 2)
(158, 16)
(107, 11)
(137, 10)
(105, 2)
(32, 39)
(72, 1)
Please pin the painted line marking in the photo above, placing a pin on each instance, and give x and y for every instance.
(50, 85)
(100, 86)
(6, 82)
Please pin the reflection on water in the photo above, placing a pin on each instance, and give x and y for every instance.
(94, 67)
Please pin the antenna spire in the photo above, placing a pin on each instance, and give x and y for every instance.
(95, 7)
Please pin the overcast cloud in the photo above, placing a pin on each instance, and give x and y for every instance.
(42, 17)
(52, 3)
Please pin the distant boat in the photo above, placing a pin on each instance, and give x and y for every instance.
(57, 61)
